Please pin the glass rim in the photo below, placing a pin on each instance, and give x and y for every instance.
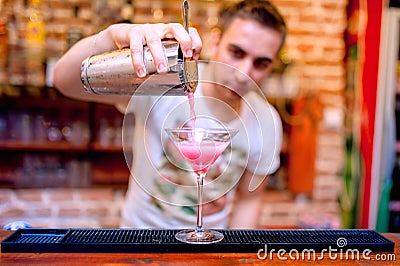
(210, 130)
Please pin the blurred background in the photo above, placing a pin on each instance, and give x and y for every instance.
(334, 85)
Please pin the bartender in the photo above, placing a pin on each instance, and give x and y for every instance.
(248, 38)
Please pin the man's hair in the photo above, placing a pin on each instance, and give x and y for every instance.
(261, 11)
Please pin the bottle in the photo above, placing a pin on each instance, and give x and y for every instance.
(35, 45)
(113, 73)
(3, 44)
(16, 44)
(74, 33)
(127, 12)
(35, 31)
(394, 204)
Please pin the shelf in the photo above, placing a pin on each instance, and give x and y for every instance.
(103, 165)
(41, 103)
(96, 146)
(42, 146)
(58, 146)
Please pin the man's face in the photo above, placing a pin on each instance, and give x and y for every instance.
(249, 48)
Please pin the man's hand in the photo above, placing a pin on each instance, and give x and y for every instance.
(248, 205)
(136, 36)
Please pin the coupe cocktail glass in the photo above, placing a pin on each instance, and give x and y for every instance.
(201, 147)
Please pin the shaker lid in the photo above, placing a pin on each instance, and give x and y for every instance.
(190, 75)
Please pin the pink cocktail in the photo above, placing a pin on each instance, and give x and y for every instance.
(201, 155)
(201, 147)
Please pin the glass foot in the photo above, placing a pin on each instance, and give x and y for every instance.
(192, 237)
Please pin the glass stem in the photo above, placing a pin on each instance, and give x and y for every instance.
(199, 227)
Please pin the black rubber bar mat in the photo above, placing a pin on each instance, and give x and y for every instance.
(47, 240)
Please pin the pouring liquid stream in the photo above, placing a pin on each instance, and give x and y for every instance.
(190, 96)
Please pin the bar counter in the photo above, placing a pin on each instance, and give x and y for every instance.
(190, 258)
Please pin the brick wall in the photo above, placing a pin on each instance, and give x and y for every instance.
(316, 47)
(61, 207)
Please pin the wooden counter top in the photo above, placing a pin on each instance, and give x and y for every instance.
(190, 258)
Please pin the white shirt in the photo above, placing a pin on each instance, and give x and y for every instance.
(160, 195)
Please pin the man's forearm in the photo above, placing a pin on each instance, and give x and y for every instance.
(246, 213)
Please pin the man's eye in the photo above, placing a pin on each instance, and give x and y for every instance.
(261, 64)
(237, 53)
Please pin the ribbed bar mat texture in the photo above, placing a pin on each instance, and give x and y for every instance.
(163, 241)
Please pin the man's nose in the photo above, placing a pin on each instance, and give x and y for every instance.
(244, 72)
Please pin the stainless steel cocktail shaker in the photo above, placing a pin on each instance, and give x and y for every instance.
(113, 73)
